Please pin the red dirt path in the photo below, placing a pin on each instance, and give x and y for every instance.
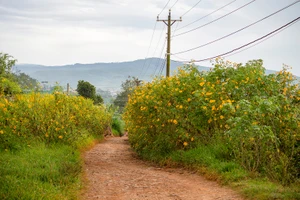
(113, 172)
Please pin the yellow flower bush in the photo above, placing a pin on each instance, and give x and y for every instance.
(254, 113)
(49, 118)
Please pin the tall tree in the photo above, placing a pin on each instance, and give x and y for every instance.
(87, 90)
(127, 87)
(8, 86)
(6, 63)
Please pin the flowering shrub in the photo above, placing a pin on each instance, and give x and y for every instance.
(256, 114)
(50, 118)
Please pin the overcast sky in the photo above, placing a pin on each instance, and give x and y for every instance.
(56, 32)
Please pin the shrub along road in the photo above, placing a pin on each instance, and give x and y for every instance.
(113, 171)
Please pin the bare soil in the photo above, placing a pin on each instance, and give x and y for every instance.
(114, 172)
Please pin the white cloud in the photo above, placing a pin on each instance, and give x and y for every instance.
(54, 32)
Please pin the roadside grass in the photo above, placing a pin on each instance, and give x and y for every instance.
(212, 161)
(42, 171)
(117, 126)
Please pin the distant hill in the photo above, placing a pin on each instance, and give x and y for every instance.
(104, 76)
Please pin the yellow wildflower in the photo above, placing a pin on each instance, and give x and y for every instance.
(60, 137)
(185, 144)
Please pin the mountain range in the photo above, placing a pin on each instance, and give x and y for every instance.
(104, 76)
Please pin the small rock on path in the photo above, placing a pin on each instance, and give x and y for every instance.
(114, 173)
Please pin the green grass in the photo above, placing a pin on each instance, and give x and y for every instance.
(40, 172)
(117, 126)
(213, 162)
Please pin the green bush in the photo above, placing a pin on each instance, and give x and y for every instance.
(117, 126)
(257, 114)
(49, 118)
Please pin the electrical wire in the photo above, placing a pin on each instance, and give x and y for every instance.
(161, 34)
(154, 28)
(163, 65)
(252, 42)
(206, 15)
(211, 42)
(258, 42)
(191, 8)
(215, 19)
(161, 53)
(164, 7)
(174, 4)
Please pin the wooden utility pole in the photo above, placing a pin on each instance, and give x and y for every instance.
(169, 22)
(68, 89)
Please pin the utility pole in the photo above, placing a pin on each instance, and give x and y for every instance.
(68, 89)
(169, 22)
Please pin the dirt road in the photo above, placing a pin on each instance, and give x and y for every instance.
(113, 172)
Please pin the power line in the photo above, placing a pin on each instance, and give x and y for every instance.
(161, 34)
(154, 28)
(161, 53)
(191, 8)
(211, 42)
(245, 45)
(164, 7)
(163, 65)
(174, 4)
(207, 15)
(215, 19)
(259, 41)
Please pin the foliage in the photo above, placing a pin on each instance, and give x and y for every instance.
(117, 126)
(26, 82)
(98, 99)
(127, 88)
(87, 90)
(57, 88)
(8, 86)
(257, 115)
(49, 118)
(6, 63)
